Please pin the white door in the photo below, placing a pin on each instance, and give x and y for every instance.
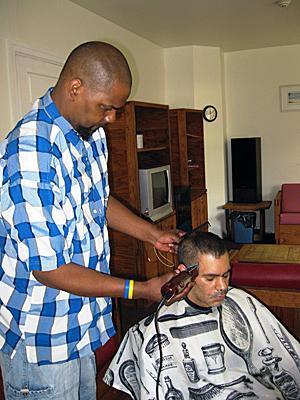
(34, 74)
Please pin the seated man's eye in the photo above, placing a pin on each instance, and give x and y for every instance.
(105, 108)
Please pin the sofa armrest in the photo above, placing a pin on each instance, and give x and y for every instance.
(277, 210)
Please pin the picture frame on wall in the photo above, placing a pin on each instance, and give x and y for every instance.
(290, 97)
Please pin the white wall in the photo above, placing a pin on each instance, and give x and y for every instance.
(252, 81)
(57, 26)
(208, 81)
(194, 79)
(179, 77)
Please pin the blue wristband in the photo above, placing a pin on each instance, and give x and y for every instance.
(126, 289)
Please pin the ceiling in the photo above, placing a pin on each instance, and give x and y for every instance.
(230, 24)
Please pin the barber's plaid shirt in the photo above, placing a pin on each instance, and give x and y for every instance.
(53, 198)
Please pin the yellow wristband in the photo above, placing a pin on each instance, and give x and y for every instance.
(130, 291)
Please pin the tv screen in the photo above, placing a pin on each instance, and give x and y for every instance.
(160, 189)
(156, 192)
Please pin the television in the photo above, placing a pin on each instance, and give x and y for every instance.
(156, 192)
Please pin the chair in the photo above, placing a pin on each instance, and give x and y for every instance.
(287, 214)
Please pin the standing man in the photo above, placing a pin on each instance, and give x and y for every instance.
(55, 285)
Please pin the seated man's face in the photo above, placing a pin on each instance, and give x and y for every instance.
(212, 281)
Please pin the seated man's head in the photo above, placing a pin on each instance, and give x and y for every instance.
(210, 252)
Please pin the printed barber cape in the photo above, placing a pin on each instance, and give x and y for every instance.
(236, 351)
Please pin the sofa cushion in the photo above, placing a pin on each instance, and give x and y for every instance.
(290, 218)
(290, 195)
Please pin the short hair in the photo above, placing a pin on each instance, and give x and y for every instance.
(98, 64)
(199, 242)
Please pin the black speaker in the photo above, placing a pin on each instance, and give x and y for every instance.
(246, 170)
(183, 208)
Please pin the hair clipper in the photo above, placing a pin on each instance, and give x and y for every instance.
(177, 284)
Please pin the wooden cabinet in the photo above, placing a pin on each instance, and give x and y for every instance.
(131, 258)
(188, 164)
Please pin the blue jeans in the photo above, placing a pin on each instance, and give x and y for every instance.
(73, 380)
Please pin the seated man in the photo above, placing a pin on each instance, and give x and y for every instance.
(217, 343)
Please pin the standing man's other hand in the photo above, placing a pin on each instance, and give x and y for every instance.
(169, 240)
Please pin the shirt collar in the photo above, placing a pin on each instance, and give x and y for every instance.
(53, 113)
(203, 310)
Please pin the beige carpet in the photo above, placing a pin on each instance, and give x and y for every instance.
(270, 253)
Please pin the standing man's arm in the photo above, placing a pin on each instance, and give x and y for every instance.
(84, 282)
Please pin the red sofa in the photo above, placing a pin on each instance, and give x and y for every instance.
(275, 285)
(287, 214)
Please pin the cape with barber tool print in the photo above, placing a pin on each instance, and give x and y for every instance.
(238, 350)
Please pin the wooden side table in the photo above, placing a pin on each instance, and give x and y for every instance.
(262, 206)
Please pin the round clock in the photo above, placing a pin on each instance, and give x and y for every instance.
(210, 113)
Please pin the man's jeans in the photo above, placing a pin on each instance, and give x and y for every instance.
(73, 380)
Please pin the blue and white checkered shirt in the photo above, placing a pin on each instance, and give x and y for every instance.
(53, 200)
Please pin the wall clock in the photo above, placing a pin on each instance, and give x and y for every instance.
(210, 113)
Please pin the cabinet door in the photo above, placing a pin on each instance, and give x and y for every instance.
(199, 212)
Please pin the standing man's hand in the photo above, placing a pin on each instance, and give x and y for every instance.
(151, 289)
(169, 240)
(123, 220)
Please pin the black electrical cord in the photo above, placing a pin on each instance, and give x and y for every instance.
(162, 302)
(172, 288)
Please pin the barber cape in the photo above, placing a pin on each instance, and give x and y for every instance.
(238, 350)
